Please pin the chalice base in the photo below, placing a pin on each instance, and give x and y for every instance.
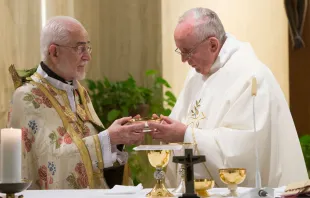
(232, 193)
(233, 190)
(180, 188)
(159, 190)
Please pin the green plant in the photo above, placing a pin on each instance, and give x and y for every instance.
(305, 146)
(113, 100)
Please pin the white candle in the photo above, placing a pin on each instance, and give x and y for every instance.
(11, 155)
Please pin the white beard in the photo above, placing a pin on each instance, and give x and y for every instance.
(80, 75)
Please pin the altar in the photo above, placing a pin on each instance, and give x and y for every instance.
(215, 192)
(158, 156)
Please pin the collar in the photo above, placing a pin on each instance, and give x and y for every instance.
(52, 74)
(57, 83)
(230, 46)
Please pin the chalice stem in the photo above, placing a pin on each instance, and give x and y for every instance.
(159, 189)
(233, 190)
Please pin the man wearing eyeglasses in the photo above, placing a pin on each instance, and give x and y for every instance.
(64, 143)
(215, 109)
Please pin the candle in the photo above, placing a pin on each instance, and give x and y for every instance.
(11, 155)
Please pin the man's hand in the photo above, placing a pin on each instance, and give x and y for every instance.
(169, 130)
(126, 134)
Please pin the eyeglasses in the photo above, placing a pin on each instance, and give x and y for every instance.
(80, 49)
(189, 54)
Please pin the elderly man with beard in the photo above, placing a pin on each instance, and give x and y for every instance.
(64, 143)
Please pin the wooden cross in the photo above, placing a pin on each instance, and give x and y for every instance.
(189, 160)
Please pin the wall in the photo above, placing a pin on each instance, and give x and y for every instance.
(299, 79)
(125, 36)
(263, 23)
(136, 35)
(19, 30)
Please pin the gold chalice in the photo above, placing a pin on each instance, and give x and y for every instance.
(232, 177)
(202, 185)
(159, 159)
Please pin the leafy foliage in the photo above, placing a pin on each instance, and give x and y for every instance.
(113, 100)
(305, 146)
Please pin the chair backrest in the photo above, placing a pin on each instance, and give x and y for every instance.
(20, 77)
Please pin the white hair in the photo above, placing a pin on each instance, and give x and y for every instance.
(207, 23)
(57, 31)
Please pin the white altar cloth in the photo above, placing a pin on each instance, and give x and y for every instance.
(215, 192)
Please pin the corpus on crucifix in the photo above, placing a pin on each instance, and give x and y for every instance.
(188, 160)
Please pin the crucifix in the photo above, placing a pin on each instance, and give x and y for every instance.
(189, 160)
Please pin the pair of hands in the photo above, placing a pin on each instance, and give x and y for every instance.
(126, 134)
(168, 131)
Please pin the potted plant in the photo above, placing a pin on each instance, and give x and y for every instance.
(113, 100)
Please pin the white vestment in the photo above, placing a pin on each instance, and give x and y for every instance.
(218, 109)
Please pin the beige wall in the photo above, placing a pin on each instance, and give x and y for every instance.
(263, 23)
(58, 7)
(131, 36)
(125, 35)
(19, 33)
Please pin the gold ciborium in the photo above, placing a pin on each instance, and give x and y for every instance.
(159, 159)
(202, 185)
(144, 120)
(232, 177)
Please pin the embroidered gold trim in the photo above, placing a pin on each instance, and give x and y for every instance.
(84, 102)
(67, 107)
(81, 91)
(98, 152)
(81, 112)
(195, 117)
(84, 155)
(98, 175)
(126, 175)
(64, 96)
(76, 139)
(67, 111)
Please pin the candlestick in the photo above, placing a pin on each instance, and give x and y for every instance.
(11, 155)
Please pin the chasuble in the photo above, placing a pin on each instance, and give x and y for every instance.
(61, 148)
(218, 109)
